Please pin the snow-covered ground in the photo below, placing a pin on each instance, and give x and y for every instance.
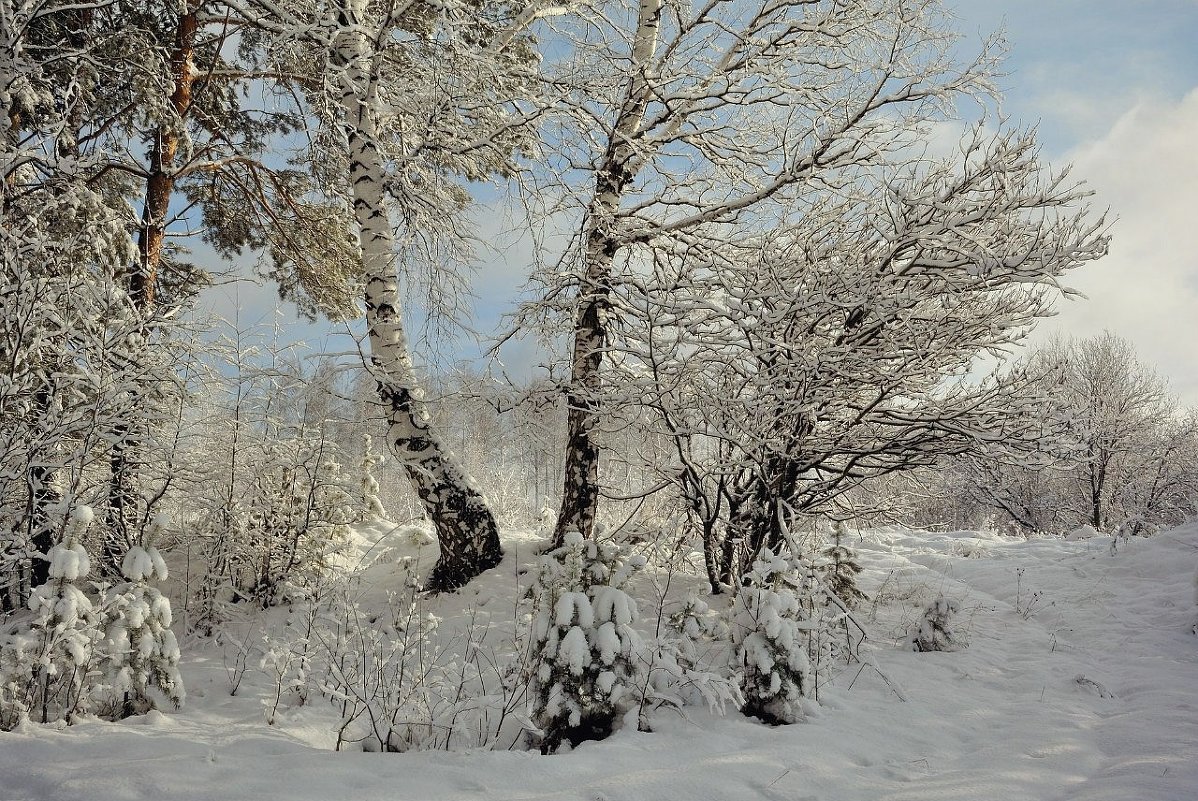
(1079, 681)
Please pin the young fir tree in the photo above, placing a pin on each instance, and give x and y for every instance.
(769, 644)
(59, 647)
(372, 508)
(842, 568)
(677, 676)
(588, 658)
(142, 650)
(934, 632)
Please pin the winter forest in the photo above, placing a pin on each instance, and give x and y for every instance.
(789, 502)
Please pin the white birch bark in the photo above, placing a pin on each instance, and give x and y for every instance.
(466, 529)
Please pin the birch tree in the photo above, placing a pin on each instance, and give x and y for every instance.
(410, 98)
(689, 120)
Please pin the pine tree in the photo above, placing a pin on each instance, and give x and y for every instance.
(589, 660)
(769, 643)
(142, 650)
(63, 319)
(59, 646)
(842, 568)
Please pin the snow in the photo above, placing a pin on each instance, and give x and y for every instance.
(137, 565)
(69, 562)
(1087, 696)
(82, 516)
(571, 603)
(143, 564)
(575, 651)
(608, 644)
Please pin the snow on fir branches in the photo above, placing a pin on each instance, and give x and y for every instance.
(769, 624)
(589, 659)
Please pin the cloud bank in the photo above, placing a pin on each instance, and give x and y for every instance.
(1145, 170)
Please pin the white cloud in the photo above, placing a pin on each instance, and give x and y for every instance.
(1145, 169)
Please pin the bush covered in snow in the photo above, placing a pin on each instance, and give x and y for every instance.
(380, 670)
(275, 539)
(769, 625)
(934, 632)
(677, 674)
(588, 660)
(371, 508)
(396, 683)
(141, 649)
(72, 655)
(296, 518)
(48, 665)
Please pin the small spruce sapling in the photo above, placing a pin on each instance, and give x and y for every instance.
(768, 638)
(372, 508)
(934, 632)
(588, 660)
(142, 650)
(64, 631)
(676, 676)
(842, 568)
(16, 679)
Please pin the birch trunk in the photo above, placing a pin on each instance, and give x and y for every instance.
(466, 530)
(580, 490)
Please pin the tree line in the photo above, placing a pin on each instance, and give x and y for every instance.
(774, 295)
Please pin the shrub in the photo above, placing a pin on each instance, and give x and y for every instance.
(934, 632)
(588, 661)
(769, 640)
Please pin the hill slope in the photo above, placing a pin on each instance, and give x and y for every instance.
(1079, 681)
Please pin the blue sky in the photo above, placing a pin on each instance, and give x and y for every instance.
(1113, 87)
(1075, 66)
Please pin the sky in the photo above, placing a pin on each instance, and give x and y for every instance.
(1112, 88)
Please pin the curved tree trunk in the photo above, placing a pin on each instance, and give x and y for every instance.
(466, 529)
